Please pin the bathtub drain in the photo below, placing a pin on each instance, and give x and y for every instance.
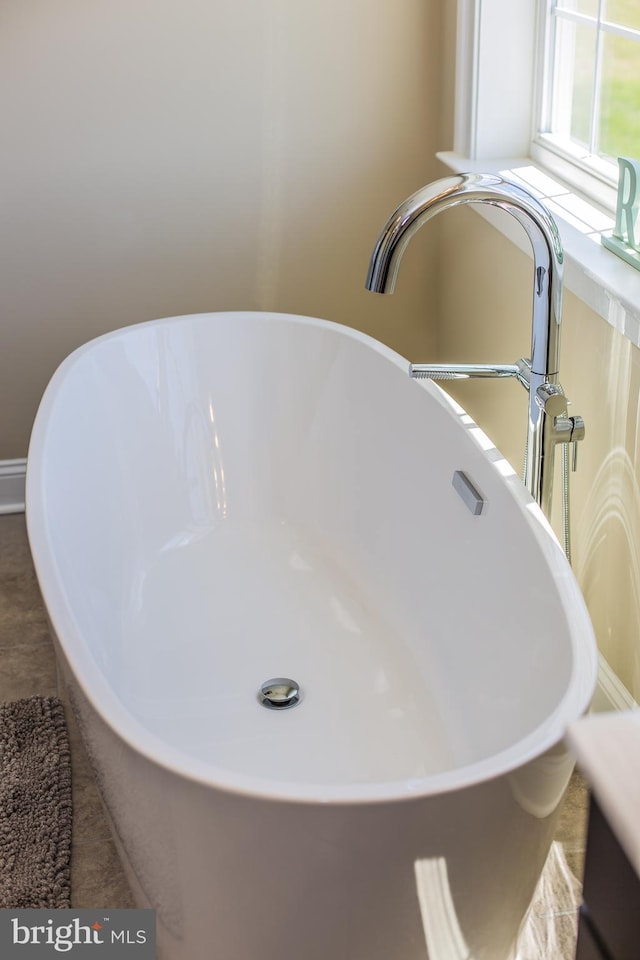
(279, 693)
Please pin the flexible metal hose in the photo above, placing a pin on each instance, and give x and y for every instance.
(566, 511)
(566, 500)
(525, 462)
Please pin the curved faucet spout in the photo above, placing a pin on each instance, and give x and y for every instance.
(414, 212)
(542, 370)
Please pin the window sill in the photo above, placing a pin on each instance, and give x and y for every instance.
(608, 285)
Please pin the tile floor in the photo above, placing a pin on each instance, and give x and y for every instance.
(28, 668)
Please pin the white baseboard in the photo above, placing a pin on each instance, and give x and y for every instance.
(12, 481)
(611, 693)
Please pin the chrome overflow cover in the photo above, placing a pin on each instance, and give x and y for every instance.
(279, 693)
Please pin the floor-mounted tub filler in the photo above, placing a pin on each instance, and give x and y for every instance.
(321, 642)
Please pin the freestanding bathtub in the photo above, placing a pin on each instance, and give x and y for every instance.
(217, 500)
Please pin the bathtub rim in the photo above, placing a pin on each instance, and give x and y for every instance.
(573, 703)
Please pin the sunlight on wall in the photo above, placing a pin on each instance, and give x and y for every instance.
(487, 318)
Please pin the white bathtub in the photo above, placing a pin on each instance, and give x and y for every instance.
(216, 500)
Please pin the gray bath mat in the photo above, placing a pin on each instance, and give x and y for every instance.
(35, 804)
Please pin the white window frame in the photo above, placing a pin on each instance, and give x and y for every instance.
(481, 95)
(513, 34)
(587, 171)
(493, 133)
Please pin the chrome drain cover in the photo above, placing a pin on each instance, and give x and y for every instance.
(279, 693)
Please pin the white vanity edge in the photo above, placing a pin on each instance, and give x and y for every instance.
(607, 748)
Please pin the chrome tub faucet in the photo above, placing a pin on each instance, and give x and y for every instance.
(549, 423)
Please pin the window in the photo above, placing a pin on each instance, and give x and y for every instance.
(589, 89)
(582, 111)
(505, 54)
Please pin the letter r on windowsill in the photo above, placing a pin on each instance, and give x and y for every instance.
(628, 201)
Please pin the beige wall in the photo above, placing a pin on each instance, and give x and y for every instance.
(484, 314)
(176, 156)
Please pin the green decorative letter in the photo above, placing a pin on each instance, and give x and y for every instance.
(627, 205)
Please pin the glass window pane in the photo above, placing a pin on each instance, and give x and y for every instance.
(624, 12)
(620, 99)
(587, 7)
(574, 72)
